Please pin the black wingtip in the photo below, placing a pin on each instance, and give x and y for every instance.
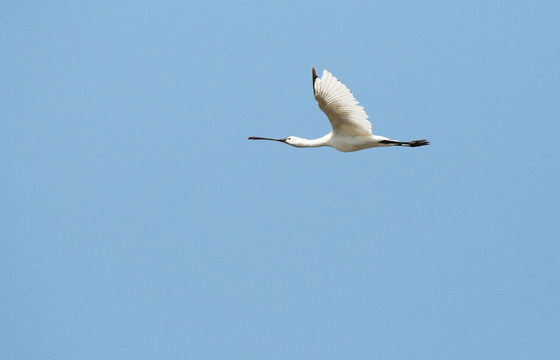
(314, 77)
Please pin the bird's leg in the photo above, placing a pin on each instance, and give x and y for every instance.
(393, 142)
(413, 143)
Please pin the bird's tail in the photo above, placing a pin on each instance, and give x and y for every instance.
(413, 143)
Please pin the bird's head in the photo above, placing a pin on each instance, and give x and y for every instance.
(294, 141)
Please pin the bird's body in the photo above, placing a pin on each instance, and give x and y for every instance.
(349, 121)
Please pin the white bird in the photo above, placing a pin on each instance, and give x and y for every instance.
(351, 129)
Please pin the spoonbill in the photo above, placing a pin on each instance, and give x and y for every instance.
(351, 129)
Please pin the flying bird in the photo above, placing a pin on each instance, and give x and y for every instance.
(351, 129)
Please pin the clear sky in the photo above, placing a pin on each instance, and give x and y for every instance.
(138, 222)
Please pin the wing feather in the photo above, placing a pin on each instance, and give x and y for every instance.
(340, 105)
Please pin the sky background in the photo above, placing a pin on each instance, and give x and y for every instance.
(138, 222)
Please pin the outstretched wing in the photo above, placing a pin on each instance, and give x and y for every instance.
(340, 106)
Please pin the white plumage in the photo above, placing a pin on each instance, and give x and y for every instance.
(340, 106)
(349, 121)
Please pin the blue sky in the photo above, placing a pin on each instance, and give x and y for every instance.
(137, 220)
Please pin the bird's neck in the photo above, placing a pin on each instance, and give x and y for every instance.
(322, 141)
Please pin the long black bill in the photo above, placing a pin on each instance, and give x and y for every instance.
(262, 138)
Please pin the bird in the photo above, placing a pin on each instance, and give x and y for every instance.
(351, 129)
